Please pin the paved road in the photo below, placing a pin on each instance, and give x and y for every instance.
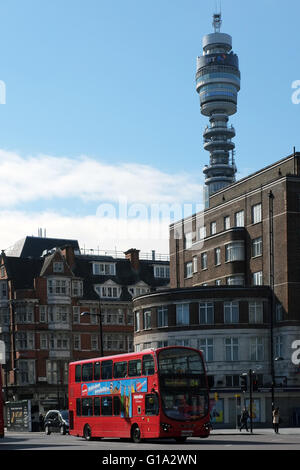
(262, 439)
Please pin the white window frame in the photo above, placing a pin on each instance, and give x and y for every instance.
(256, 213)
(257, 278)
(239, 219)
(235, 251)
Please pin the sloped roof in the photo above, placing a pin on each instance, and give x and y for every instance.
(34, 246)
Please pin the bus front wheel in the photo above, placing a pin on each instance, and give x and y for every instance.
(87, 433)
(136, 434)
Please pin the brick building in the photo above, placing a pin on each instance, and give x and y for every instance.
(235, 289)
(44, 288)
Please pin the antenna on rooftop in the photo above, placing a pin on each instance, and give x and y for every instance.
(217, 21)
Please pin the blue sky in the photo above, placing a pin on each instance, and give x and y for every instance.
(101, 105)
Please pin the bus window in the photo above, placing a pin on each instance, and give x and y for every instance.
(135, 368)
(87, 407)
(120, 370)
(78, 407)
(78, 373)
(106, 406)
(117, 406)
(97, 406)
(148, 365)
(106, 370)
(151, 404)
(97, 371)
(87, 372)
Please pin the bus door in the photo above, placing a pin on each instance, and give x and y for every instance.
(151, 421)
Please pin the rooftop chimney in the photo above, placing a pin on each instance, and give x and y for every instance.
(133, 256)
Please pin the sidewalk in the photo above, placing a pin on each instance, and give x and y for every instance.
(289, 431)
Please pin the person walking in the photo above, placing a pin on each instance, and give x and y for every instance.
(244, 419)
(276, 418)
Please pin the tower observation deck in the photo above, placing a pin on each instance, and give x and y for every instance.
(218, 83)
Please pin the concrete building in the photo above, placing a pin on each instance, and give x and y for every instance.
(235, 289)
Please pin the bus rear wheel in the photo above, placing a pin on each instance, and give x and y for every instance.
(87, 433)
(136, 434)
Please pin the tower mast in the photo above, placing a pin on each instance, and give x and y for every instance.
(218, 83)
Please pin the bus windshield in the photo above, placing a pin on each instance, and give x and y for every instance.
(182, 384)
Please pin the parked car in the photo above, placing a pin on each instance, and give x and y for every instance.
(57, 421)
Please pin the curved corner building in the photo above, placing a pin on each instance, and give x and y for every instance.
(218, 83)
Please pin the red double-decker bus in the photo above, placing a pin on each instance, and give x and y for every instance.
(156, 393)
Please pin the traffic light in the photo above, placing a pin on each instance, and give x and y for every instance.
(254, 384)
(243, 383)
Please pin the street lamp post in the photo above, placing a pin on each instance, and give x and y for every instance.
(100, 326)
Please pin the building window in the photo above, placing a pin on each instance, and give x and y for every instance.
(206, 345)
(256, 213)
(58, 313)
(217, 256)
(201, 232)
(237, 280)
(213, 228)
(182, 314)
(255, 312)
(137, 321)
(26, 372)
(235, 251)
(77, 342)
(43, 341)
(77, 288)
(162, 317)
(43, 313)
(188, 240)
(58, 267)
(232, 380)
(162, 272)
(94, 343)
(256, 349)
(231, 349)
(3, 290)
(24, 340)
(231, 312)
(257, 247)
(106, 269)
(206, 313)
(279, 312)
(278, 346)
(58, 287)
(203, 260)
(195, 264)
(218, 282)
(258, 278)
(227, 222)
(189, 269)
(24, 313)
(239, 219)
(147, 320)
(109, 291)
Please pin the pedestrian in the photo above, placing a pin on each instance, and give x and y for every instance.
(41, 422)
(244, 420)
(276, 419)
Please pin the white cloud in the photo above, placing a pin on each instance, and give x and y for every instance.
(47, 177)
(91, 231)
(152, 200)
